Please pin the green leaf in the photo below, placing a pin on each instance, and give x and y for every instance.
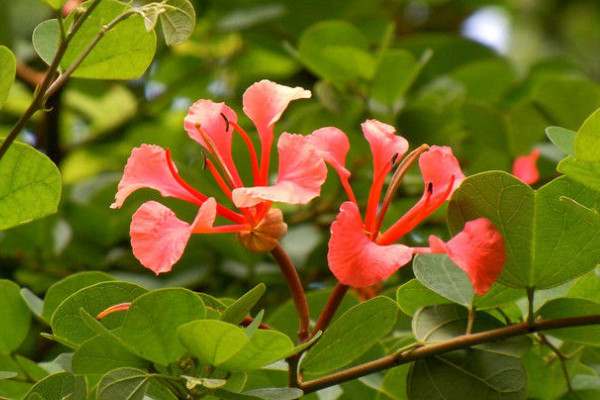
(583, 164)
(569, 307)
(123, 384)
(567, 100)
(178, 21)
(62, 289)
(351, 335)
(276, 393)
(238, 310)
(447, 321)
(467, 374)
(548, 241)
(34, 303)
(226, 346)
(396, 72)
(15, 318)
(546, 380)
(562, 138)
(475, 76)
(254, 325)
(55, 4)
(213, 342)
(102, 354)
(586, 287)
(336, 51)
(67, 322)
(60, 386)
(31, 186)
(440, 274)
(413, 295)
(124, 52)
(150, 325)
(7, 374)
(8, 68)
(265, 347)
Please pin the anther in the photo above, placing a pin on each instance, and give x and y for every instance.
(430, 188)
(226, 122)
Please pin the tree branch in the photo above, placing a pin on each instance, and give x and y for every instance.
(434, 349)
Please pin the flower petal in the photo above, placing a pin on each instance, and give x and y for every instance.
(479, 251)
(206, 217)
(265, 101)
(158, 237)
(210, 116)
(385, 145)
(333, 145)
(148, 167)
(354, 259)
(440, 168)
(525, 169)
(302, 172)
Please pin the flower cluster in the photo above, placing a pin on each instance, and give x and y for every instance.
(360, 252)
(158, 237)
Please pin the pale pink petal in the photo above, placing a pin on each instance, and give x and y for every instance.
(478, 250)
(148, 167)
(265, 101)
(354, 259)
(333, 145)
(302, 172)
(385, 145)
(158, 237)
(525, 167)
(206, 217)
(213, 119)
(440, 168)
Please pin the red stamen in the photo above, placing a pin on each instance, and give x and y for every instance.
(112, 309)
(222, 211)
(373, 202)
(229, 171)
(220, 181)
(424, 208)
(251, 150)
(265, 155)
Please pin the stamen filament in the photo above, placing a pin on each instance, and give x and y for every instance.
(424, 208)
(251, 151)
(265, 155)
(212, 149)
(230, 228)
(222, 211)
(373, 202)
(112, 309)
(222, 184)
(395, 184)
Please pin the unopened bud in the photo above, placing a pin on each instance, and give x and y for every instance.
(264, 236)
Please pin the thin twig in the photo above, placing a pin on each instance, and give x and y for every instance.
(559, 354)
(333, 303)
(296, 290)
(434, 349)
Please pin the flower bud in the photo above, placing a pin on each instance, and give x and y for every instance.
(264, 236)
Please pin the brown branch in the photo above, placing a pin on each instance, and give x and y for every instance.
(296, 289)
(333, 302)
(434, 349)
(29, 76)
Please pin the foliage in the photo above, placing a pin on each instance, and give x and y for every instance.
(82, 83)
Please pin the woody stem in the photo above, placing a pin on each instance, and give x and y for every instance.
(333, 303)
(296, 289)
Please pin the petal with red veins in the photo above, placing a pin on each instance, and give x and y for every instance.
(206, 217)
(385, 145)
(525, 167)
(479, 251)
(265, 101)
(354, 259)
(158, 237)
(148, 167)
(302, 172)
(333, 145)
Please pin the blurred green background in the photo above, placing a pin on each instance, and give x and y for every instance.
(485, 77)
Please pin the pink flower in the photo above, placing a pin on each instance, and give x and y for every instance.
(478, 250)
(525, 169)
(159, 238)
(360, 254)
